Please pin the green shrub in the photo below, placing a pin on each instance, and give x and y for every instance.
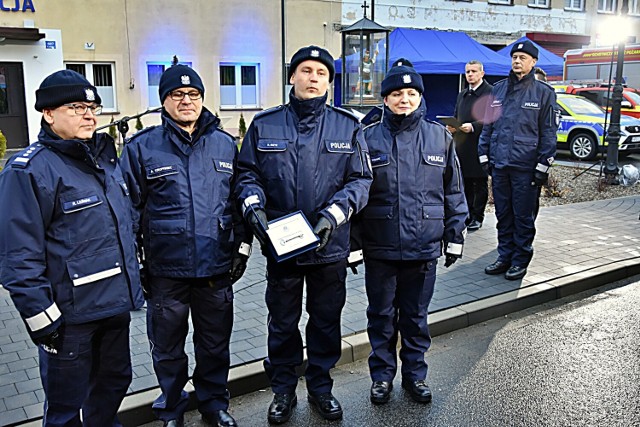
(3, 145)
(242, 127)
(113, 132)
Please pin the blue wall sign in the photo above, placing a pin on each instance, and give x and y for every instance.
(50, 44)
(16, 6)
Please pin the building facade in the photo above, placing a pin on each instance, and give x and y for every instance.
(239, 47)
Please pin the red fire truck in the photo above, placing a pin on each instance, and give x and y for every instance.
(600, 63)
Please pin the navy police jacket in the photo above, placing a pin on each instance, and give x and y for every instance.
(181, 188)
(306, 156)
(416, 201)
(520, 125)
(67, 251)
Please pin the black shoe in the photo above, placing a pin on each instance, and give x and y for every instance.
(220, 418)
(497, 267)
(381, 391)
(178, 422)
(515, 272)
(474, 225)
(327, 405)
(281, 407)
(418, 390)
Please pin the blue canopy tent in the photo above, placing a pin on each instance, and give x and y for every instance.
(551, 63)
(440, 57)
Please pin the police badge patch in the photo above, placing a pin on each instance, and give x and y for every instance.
(185, 80)
(406, 79)
(89, 94)
(315, 53)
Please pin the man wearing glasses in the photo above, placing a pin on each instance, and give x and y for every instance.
(68, 257)
(181, 176)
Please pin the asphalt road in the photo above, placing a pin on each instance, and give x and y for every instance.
(571, 362)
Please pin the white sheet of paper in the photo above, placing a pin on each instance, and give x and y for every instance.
(290, 233)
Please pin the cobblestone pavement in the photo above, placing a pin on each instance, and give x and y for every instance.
(571, 239)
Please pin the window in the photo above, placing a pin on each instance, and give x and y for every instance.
(101, 76)
(540, 3)
(634, 7)
(577, 5)
(607, 6)
(239, 86)
(154, 71)
(288, 86)
(509, 2)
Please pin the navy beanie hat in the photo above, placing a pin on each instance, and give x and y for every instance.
(314, 53)
(65, 86)
(178, 76)
(526, 47)
(401, 77)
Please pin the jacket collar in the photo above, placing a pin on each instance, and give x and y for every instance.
(84, 150)
(308, 111)
(206, 120)
(401, 122)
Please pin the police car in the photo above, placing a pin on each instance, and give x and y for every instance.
(582, 128)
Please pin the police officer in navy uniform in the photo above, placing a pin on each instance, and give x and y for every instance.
(181, 175)
(68, 256)
(416, 211)
(306, 156)
(517, 147)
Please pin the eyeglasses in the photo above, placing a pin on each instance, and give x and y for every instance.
(178, 95)
(81, 109)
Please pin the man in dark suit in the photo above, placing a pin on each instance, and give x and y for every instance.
(470, 108)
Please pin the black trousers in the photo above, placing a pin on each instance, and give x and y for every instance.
(476, 191)
(326, 296)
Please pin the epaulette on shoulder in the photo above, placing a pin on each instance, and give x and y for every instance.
(140, 132)
(226, 133)
(435, 123)
(22, 159)
(345, 112)
(547, 85)
(269, 111)
(370, 125)
(501, 82)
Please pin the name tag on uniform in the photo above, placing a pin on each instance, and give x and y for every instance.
(434, 159)
(379, 160)
(80, 204)
(160, 171)
(339, 146)
(272, 145)
(223, 166)
(532, 105)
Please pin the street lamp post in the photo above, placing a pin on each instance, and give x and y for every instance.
(613, 134)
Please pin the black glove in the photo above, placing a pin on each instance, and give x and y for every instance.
(540, 178)
(450, 260)
(323, 229)
(51, 340)
(354, 260)
(144, 281)
(486, 167)
(255, 218)
(238, 267)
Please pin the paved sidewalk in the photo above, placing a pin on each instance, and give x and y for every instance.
(577, 246)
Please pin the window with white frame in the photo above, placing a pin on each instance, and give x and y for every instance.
(509, 2)
(239, 85)
(607, 6)
(540, 3)
(577, 5)
(634, 7)
(154, 71)
(101, 75)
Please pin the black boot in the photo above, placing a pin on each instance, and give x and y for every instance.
(281, 407)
